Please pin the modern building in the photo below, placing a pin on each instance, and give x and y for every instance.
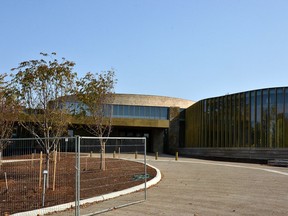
(160, 119)
(245, 125)
(252, 125)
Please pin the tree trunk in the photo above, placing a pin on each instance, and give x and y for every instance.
(47, 167)
(102, 156)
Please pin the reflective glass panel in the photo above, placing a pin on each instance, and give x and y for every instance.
(286, 119)
(258, 118)
(252, 119)
(279, 118)
(265, 114)
(272, 118)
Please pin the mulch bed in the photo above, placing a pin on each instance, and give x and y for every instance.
(24, 193)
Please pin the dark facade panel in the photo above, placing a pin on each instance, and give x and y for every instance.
(253, 119)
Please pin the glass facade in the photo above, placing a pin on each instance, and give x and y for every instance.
(142, 112)
(127, 111)
(253, 119)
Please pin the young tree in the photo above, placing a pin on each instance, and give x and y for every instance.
(95, 93)
(41, 86)
(9, 110)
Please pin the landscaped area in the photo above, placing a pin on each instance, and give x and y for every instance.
(21, 190)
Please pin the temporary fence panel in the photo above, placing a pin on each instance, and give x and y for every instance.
(46, 175)
(36, 174)
(109, 168)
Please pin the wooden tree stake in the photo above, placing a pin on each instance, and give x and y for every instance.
(32, 160)
(86, 165)
(40, 172)
(59, 150)
(54, 171)
(6, 182)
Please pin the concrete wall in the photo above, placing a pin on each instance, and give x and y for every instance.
(236, 153)
(174, 128)
(157, 140)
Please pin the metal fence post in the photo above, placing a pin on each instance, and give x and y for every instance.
(66, 145)
(45, 172)
(77, 180)
(145, 168)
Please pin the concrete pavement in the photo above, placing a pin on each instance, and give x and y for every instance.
(201, 187)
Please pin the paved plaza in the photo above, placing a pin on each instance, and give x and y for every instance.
(203, 188)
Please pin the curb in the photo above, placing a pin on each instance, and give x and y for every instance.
(65, 206)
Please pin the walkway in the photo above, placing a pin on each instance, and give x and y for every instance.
(204, 188)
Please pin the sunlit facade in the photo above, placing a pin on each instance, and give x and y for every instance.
(253, 119)
(251, 124)
(155, 117)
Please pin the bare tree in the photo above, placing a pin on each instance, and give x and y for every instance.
(41, 86)
(9, 110)
(95, 94)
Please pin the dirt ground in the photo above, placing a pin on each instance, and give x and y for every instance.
(20, 191)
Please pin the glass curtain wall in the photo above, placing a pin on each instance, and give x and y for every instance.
(124, 111)
(253, 119)
(142, 112)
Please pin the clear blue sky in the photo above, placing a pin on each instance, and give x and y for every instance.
(181, 48)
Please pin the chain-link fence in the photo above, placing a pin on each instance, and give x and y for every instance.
(38, 176)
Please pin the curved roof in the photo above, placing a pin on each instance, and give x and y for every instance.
(147, 100)
(151, 100)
